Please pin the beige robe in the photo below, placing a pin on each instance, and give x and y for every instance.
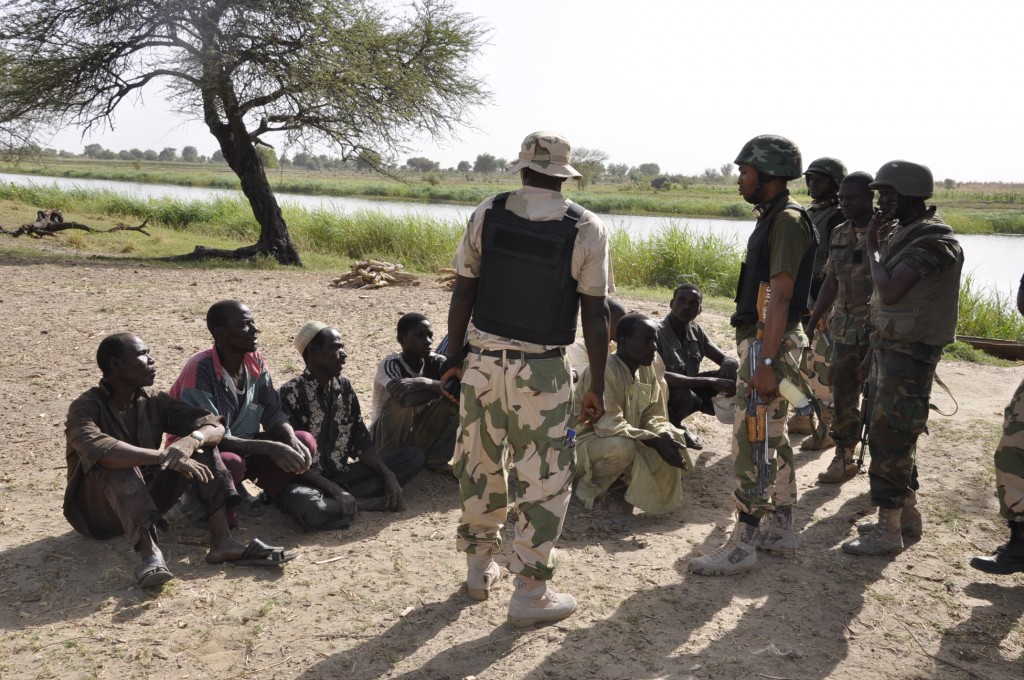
(613, 447)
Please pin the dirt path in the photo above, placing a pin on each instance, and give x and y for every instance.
(391, 607)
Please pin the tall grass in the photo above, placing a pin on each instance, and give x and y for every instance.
(663, 259)
(988, 315)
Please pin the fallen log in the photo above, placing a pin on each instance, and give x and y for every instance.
(51, 222)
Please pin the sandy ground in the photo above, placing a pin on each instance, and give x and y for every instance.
(385, 598)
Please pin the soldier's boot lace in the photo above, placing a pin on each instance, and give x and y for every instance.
(1007, 558)
(483, 572)
(810, 443)
(800, 425)
(735, 556)
(533, 602)
(911, 524)
(841, 468)
(776, 535)
(885, 539)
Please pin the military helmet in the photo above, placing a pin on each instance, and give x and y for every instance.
(832, 168)
(906, 178)
(772, 155)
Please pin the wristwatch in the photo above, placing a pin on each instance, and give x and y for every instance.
(768, 361)
(198, 436)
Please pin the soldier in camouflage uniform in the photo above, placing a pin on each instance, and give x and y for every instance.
(915, 268)
(780, 253)
(823, 177)
(1009, 557)
(529, 262)
(844, 297)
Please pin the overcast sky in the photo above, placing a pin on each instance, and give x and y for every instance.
(685, 84)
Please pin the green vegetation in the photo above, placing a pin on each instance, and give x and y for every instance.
(330, 241)
(981, 210)
(988, 315)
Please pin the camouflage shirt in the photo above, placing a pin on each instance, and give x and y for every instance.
(591, 264)
(848, 262)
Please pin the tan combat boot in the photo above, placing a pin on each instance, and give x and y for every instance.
(776, 535)
(841, 468)
(483, 572)
(735, 556)
(885, 539)
(810, 443)
(800, 425)
(911, 524)
(533, 603)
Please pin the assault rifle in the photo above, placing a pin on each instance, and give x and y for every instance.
(757, 407)
(865, 421)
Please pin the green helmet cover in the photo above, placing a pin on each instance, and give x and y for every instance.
(772, 155)
(906, 178)
(832, 168)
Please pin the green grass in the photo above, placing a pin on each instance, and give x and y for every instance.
(988, 315)
(330, 241)
(969, 209)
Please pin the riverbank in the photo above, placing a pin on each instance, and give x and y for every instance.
(384, 599)
(968, 208)
(649, 264)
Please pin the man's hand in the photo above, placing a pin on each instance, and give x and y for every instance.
(181, 450)
(303, 450)
(593, 407)
(765, 382)
(669, 449)
(405, 386)
(725, 386)
(393, 498)
(189, 469)
(285, 457)
(346, 500)
(453, 372)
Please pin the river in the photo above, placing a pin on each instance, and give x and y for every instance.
(994, 261)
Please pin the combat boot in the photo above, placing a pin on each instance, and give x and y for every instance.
(1008, 558)
(775, 535)
(841, 468)
(800, 425)
(483, 572)
(911, 524)
(735, 556)
(810, 443)
(533, 602)
(885, 539)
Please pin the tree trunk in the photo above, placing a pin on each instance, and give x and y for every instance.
(240, 154)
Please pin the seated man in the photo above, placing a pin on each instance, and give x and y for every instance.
(120, 480)
(633, 439)
(231, 380)
(683, 344)
(408, 409)
(322, 401)
(577, 351)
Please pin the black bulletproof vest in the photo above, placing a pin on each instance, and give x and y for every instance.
(526, 291)
(757, 268)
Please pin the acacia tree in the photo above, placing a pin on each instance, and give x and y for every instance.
(345, 74)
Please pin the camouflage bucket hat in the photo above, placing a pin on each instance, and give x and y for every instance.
(908, 179)
(832, 168)
(547, 153)
(772, 155)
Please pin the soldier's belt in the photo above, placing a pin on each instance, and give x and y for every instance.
(514, 354)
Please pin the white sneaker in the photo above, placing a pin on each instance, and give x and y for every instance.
(533, 603)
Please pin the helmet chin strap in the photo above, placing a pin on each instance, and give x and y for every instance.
(755, 197)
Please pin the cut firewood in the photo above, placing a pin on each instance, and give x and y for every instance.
(373, 274)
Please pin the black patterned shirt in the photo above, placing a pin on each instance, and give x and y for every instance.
(332, 416)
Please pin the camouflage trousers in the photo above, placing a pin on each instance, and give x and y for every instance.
(526, 405)
(846, 388)
(814, 365)
(781, 484)
(900, 387)
(1010, 460)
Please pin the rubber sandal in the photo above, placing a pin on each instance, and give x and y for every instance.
(152, 572)
(259, 554)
